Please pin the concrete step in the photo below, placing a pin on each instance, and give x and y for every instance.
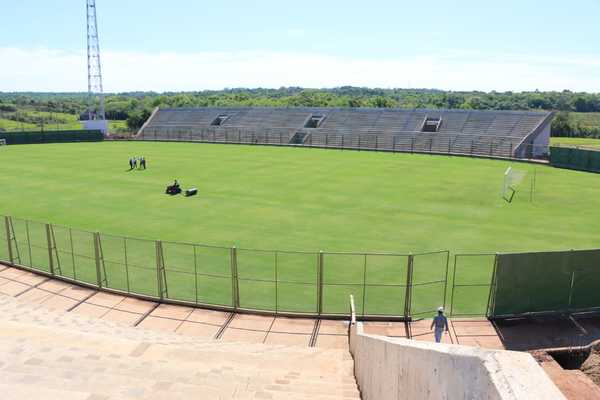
(62, 352)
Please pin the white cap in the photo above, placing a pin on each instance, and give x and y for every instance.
(440, 309)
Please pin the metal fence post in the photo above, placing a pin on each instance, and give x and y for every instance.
(446, 277)
(320, 259)
(492, 294)
(97, 257)
(49, 244)
(408, 295)
(7, 224)
(453, 285)
(235, 288)
(159, 267)
(364, 294)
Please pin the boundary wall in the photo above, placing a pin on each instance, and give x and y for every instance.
(393, 369)
(581, 159)
(52, 137)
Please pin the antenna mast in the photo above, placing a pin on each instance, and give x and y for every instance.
(95, 90)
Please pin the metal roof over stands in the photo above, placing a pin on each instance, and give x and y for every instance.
(489, 133)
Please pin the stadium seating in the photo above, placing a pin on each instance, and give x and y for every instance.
(484, 133)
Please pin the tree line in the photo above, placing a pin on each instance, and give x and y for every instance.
(136, 107)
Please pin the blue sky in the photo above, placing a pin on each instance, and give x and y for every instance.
(194, 45)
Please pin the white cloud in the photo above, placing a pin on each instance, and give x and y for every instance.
(38, 69)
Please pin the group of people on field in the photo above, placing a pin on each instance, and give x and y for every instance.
(137, 162)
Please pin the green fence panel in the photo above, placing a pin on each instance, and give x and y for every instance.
(546, 282)
(585, 269)
(52, 137)
(594, 161)
(430, 272)
(471, 285)
(296, 288)
(575, 158)
(385, 285)
(343, 275)
(580, 159)
(256, 279)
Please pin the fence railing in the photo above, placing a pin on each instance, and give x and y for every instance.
(418, 142)
(387, 285)
(282, 282)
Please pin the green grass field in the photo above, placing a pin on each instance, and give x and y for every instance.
(62, 122)
(292, 199)
(566, 141)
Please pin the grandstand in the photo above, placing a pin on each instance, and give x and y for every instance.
(512, 134)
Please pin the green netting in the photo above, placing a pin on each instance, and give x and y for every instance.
(52, 137)
(594, 161)
(471, 285)
(585, 267)
(428, 282)
(545, 282)
(256, 279)
(385, 285)
(575, 158)
(343, 275)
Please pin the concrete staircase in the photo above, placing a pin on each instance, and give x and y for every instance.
(59, 355)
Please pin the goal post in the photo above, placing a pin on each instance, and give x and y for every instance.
(513, 179)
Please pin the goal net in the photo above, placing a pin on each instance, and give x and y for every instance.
(2, 142)
(513, 181)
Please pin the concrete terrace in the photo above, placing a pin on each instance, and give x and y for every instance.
(224, 326)
(50, 323)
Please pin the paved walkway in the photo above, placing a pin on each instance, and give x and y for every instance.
(55, 294)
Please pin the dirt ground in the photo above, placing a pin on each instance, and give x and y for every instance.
(591, 366)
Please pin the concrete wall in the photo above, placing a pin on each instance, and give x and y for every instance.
(393, 369)
(96, 125)
(541, 142)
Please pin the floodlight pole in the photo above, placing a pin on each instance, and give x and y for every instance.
(95, 89)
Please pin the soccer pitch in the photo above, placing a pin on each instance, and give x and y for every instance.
(256, 197)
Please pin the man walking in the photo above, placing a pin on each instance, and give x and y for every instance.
(130, 163)
(142, 162)
(134, 162)
(440, 322)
